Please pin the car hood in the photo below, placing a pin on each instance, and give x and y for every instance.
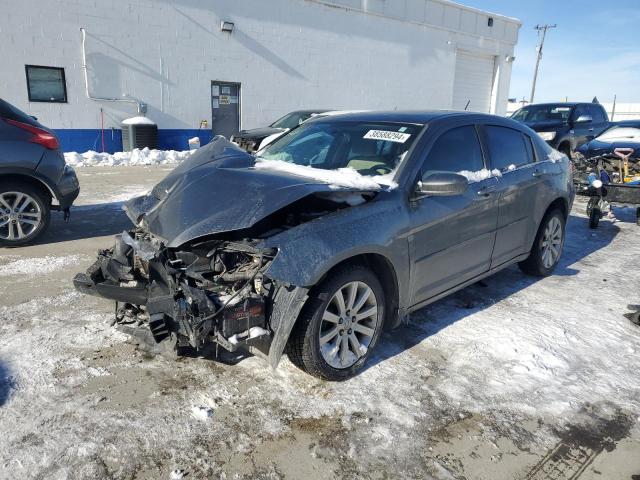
(259, 132)
(597, 147)
(546, 125)
(216, 190)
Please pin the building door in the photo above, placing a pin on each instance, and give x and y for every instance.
(473, 82)
(225, 108)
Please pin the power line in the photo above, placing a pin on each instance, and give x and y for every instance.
(543, 29)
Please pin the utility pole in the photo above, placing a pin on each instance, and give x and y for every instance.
(543, 29)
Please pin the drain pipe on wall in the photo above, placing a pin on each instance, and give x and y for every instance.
(141, 107)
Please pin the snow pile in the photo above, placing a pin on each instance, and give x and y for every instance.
(480, 175)
(39, 265)
(201, 412)
(555, 156)
(134, 157)
(621, 134)
(340, 178)
(138, 121)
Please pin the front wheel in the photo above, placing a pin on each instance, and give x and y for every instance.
(340, 324)
(547, 247)
(24, 213)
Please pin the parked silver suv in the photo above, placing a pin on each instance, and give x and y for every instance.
(33, 177)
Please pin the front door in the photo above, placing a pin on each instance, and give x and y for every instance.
(225, 108)
(451, 238)
(582, 131)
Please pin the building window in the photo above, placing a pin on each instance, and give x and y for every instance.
(46, 84)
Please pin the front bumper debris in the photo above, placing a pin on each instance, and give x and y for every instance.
(214, 292)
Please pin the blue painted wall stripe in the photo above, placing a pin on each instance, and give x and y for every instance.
(82, 140)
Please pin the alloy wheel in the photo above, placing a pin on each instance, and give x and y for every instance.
(20, 215)
(348, 325)
(552, 242)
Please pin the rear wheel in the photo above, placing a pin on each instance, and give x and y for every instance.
(594, 217)
(547, 247)
(24, 213)
(340, 324)
(593, 212)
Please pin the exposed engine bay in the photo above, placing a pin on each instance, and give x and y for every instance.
(214, 290)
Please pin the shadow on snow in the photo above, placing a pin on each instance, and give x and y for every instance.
(580, 242)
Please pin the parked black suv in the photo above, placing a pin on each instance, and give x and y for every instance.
(34, 178)
(250, 140)
(565, 126)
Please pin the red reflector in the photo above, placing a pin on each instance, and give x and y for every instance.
(40, 136)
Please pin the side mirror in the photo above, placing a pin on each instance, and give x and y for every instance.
(442, 185)
(584, 119)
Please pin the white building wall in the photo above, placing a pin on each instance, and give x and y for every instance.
(287, 54)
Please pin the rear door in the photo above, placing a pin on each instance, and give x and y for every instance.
(599, 123)
(582, 131)
(511, 152)
(451, 238)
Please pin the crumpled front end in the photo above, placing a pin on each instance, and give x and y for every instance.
(210, 291)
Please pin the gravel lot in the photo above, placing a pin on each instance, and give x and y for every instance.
(513, 378)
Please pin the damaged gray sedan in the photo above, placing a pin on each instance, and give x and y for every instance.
(335, 231)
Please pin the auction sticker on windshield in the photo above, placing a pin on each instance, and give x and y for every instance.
(388, 136)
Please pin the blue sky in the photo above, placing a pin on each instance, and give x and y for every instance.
(595, 51)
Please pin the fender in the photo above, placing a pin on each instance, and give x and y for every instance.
(26, 172)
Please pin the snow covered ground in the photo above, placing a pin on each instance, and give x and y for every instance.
(509, 379)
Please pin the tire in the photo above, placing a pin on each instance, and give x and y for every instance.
(594, 218)
(306, 348)
(29, 205)
(638, 216)
(538, 263)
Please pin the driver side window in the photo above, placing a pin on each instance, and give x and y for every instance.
(455, 151)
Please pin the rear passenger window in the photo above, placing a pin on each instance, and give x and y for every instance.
(455, 151)
(507, 148)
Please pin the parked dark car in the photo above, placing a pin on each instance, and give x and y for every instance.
(343, 226)
(250, 140)
(565, 126)
(34, 178)
(620, 135)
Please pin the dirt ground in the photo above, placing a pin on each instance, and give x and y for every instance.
(512, 378)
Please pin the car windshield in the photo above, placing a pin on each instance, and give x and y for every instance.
(621, 132)
(292, 120)
(543, 113)
(369, 148)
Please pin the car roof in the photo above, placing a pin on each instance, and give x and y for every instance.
(560, 104)
(310, 111)
(628, 123)
(407, 116)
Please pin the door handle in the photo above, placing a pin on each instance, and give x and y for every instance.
(487, 191)
(591, 129)
(537, 173)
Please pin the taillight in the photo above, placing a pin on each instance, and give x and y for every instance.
(40, 136)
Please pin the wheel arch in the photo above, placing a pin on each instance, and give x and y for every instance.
(559, 203)
(383, 268)
(31, 180)
(566, 143)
